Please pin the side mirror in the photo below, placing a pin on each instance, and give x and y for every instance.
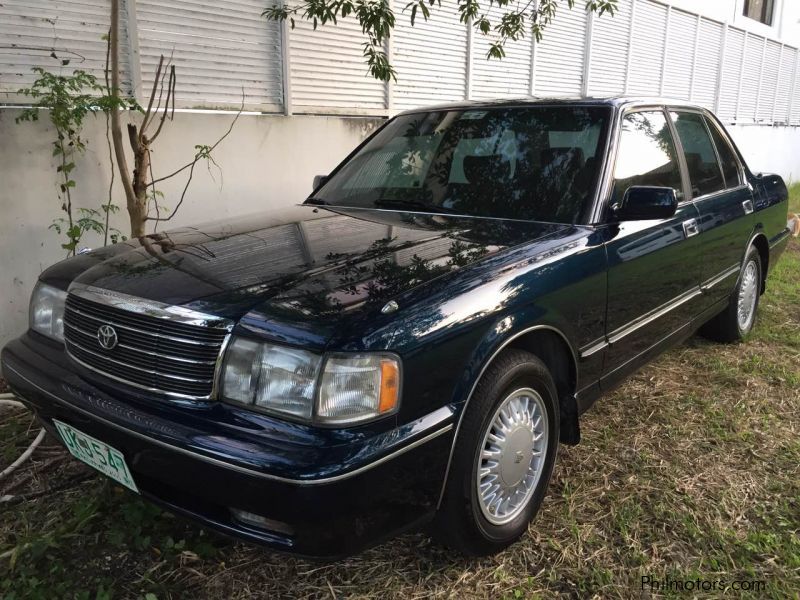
(319, 181)
(643, 202)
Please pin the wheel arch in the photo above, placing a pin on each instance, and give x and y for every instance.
(759, 240)
(551, 345)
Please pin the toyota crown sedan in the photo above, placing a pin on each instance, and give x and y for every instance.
(410, 345)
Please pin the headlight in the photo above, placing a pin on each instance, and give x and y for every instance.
(349, 388)
(358, 387)
(46, 314)
(275, 378)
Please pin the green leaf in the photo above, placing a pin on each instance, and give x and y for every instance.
(496, 50)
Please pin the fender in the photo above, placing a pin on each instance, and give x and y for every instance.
(501, 326)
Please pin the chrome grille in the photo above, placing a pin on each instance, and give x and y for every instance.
(162, 349)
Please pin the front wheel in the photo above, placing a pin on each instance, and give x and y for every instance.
(503, 458)
(737, 320)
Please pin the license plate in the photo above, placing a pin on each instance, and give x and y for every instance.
(109, 461)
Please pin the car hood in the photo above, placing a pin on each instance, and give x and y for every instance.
(303, 263)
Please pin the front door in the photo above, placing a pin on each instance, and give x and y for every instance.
(654, 266)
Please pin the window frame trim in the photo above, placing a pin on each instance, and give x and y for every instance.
(711, 120)
(772, 4)
(606, 187)
(691, 197)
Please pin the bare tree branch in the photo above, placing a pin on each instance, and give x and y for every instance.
(156, 81)
(170, 97)
(210, 149)
(200, 155)
(108, 142)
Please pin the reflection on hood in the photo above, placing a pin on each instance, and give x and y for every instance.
(317, 265)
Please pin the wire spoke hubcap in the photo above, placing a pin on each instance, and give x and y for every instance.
(748, 294)
(512, 456)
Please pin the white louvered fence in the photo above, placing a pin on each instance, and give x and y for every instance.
(224, 49)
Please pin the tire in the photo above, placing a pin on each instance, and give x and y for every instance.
(730, 325)
(519, 383)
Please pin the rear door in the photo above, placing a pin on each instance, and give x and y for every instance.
(654, 265)
(723, 201)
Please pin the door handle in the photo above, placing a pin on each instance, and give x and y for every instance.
(747, 205)
(690, 227)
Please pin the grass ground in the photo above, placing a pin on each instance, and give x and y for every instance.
(690, 470)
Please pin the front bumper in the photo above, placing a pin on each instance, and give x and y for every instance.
(327, 493)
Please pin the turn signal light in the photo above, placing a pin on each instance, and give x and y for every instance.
(390, 385)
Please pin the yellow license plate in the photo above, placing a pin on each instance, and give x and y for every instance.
(99, 455)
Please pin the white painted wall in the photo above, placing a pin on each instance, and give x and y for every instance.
(268, 161)
(769, 149)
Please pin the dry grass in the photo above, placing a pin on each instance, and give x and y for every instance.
(691, 469)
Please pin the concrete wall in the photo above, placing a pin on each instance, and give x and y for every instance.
(268, 161)
(769, 149)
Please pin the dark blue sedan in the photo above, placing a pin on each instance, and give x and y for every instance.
(411, 344)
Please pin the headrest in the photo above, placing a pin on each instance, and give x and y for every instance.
(481, 168)
(694, 161)
(550, 156)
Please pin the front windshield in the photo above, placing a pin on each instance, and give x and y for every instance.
(537, 163)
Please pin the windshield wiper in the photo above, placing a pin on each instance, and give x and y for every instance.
(317, 202)
(412, 205)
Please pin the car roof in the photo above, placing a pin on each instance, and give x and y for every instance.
(614, 101)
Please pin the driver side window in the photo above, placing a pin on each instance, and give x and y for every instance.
(646, 155)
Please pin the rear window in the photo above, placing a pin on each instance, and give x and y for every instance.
(730, 165)
(705, 174)
(532, 163)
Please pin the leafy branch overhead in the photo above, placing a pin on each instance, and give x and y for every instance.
(509, 21)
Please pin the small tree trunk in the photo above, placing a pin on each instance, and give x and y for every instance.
(138, 216)
(137, 208)
(133, 201)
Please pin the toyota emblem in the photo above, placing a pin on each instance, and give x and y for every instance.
(107, 337)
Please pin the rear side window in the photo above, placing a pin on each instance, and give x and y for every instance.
(646, 154)
(705, 174)
(730, 166)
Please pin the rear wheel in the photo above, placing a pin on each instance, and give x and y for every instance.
(503, 458)
(737, 320)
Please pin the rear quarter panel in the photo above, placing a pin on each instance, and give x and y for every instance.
(771, 200)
